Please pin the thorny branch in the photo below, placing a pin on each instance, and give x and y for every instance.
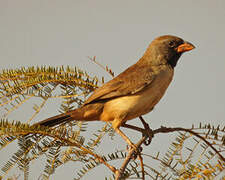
(148, 134)
(163, 129)
(106, 68)
(120, 172)
(75, 144)
(142, 166)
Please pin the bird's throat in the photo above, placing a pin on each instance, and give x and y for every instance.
(173, 60)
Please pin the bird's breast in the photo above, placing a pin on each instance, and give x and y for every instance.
(131, 106)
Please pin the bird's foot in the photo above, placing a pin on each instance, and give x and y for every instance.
(149, 134)
(146, 132)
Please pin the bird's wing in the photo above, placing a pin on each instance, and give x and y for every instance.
(131, 81)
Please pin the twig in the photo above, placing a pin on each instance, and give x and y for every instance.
(142, 166)
(108, 70)
(72, 143)
(149, 133)
(167, 130)
(120, 172)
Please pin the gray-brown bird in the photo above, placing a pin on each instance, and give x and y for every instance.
(135, 91)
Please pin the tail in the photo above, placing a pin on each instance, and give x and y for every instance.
(55, 120)
(90, 112)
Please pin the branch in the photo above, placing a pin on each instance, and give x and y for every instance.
(148, 134)
(142, 166)
(167, 130)
(106, 68)
(120, 172)
(24, 130)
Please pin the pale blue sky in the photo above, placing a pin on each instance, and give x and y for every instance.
(47, 32)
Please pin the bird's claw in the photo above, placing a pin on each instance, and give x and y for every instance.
(147, 141)
(149, 134)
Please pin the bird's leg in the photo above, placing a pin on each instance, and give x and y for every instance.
(125, 138)
(116, 123)
(146, 126)
(147, 131)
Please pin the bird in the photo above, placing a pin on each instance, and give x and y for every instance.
(132, 93)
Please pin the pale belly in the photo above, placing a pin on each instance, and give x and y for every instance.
(132, 106)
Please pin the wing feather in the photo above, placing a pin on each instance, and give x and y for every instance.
(131, 81)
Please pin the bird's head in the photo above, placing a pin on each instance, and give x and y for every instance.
(167, 49)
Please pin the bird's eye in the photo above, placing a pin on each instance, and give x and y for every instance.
(172, 44)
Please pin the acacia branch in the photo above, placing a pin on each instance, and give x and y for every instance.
(120, 172)
(142, 166)
(149, 134)
(68, 141)
(163, 129)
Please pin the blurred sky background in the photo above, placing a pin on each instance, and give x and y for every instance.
(54, 32)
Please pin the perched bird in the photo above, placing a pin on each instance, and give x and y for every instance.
(135, 91)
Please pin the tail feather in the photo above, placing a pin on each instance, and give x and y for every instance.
(90, 112)
(55, 120)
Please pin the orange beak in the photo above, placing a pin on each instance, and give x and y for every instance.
(186, 46)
